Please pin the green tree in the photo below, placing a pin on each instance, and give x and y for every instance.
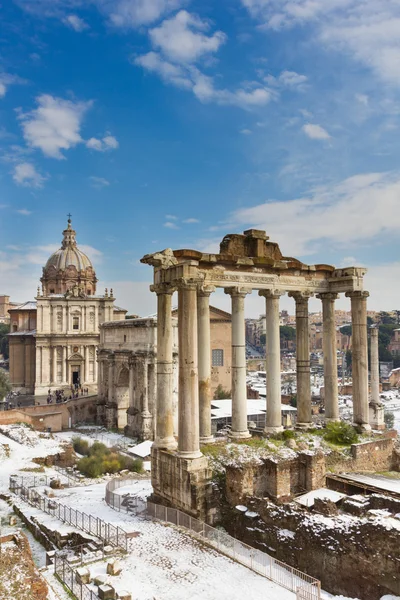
(287, 333)
(389, 419)
(349, 360)
(346, 330)
(370, 321)
(263, 339)
(386, 319)
(5, 385)
(4, 348)
(221, 394)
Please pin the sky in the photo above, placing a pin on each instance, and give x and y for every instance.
(171, 123)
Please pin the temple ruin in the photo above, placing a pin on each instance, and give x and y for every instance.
(247, 262)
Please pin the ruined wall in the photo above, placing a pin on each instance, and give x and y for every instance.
(352, 556)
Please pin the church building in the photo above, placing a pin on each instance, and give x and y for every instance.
(54, 340)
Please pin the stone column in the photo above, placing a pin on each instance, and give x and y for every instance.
(204, 350)
(376, 409)
(273, 361)
(360, 358)
(239, 388)
(188, 401)
(374, 366)
(303, 359)
(64, 364)
(111, 382)
(54, 365)
(164, 423)
(330, 356)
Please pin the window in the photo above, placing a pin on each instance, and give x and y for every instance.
(124, 338)
(15, 327)
(75, 322)
(217, 358)
(51, 291)
(89, 292)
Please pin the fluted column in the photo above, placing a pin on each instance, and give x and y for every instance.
(303, 359)
(273, 361)
(54, 365)
(164, 422)
(204, 350)
(359, 349)
(188, 401)
(87, 370)
(330, 356)
(239, 389)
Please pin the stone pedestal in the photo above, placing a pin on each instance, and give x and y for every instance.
(376, 416)
(180, 482)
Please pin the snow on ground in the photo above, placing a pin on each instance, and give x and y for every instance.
(92, 434)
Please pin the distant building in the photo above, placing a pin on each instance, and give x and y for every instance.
(54, 339)
(5, 306)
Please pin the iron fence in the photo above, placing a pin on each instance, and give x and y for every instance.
(110, 534)
(65, 573)
(304, 586)
(129, 504)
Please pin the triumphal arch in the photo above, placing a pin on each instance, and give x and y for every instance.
(245, 262)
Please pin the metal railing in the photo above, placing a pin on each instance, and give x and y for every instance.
(110, 534)
(129, 504)
(66, 573)
(32, 481)
(304, 586)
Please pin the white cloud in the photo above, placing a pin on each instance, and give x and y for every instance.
(369, 32)
(315, 132)
(362, 99)
(75, 23)
(191, 220)
(175, 74)
(6, 79)
(55, 125)
(24, 211)
(98, 182)
(108, 142)
(288, 79)
(25, 174)
(304, 225)
(171, 225)
(182, 39)
(246, 131)
(171, 217)
(134, 13)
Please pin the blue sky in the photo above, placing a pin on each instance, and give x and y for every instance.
(169, 123)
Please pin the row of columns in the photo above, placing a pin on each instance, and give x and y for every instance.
(194, 405)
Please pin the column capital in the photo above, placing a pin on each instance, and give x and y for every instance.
(163, 288)
(186, 283)
(238, 291)
(361, 294)
(327, 296)
(301, 296)
(271, 293)
(205, 290)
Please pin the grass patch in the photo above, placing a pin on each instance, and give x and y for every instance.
(33, 469)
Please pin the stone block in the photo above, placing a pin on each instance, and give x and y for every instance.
(82, 575)
(123, 595)
(12, 520)
(106, 592)
(56, 484)
(113, 567)
(50, 557)
(108, 549)
(100, 580)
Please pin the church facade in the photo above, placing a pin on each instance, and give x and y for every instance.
(54, 340)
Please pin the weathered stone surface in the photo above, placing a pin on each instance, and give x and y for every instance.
(106, 592)
(82, 575)
(100, 580)
(123, 595)
(113, 567)
(56, 484)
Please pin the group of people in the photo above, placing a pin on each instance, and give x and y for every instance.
(62, 396)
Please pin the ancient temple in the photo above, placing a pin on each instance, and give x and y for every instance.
(54, 340)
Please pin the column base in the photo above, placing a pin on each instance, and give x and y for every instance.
(168, 443)
(273, 429)
(188, 454)
(304, 426)
(240, 435)
(362, 427)
(377, 416)
(331, 419)
(207, 440)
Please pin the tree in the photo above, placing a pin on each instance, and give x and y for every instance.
(370, 321)
(389, 420)
(386, 319)
(221, 394)
(5, 385)
(263, 339)
(349, 360)
(287, 333)
(4, 331)
(346, 330)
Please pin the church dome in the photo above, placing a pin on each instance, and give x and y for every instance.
(68, 267)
